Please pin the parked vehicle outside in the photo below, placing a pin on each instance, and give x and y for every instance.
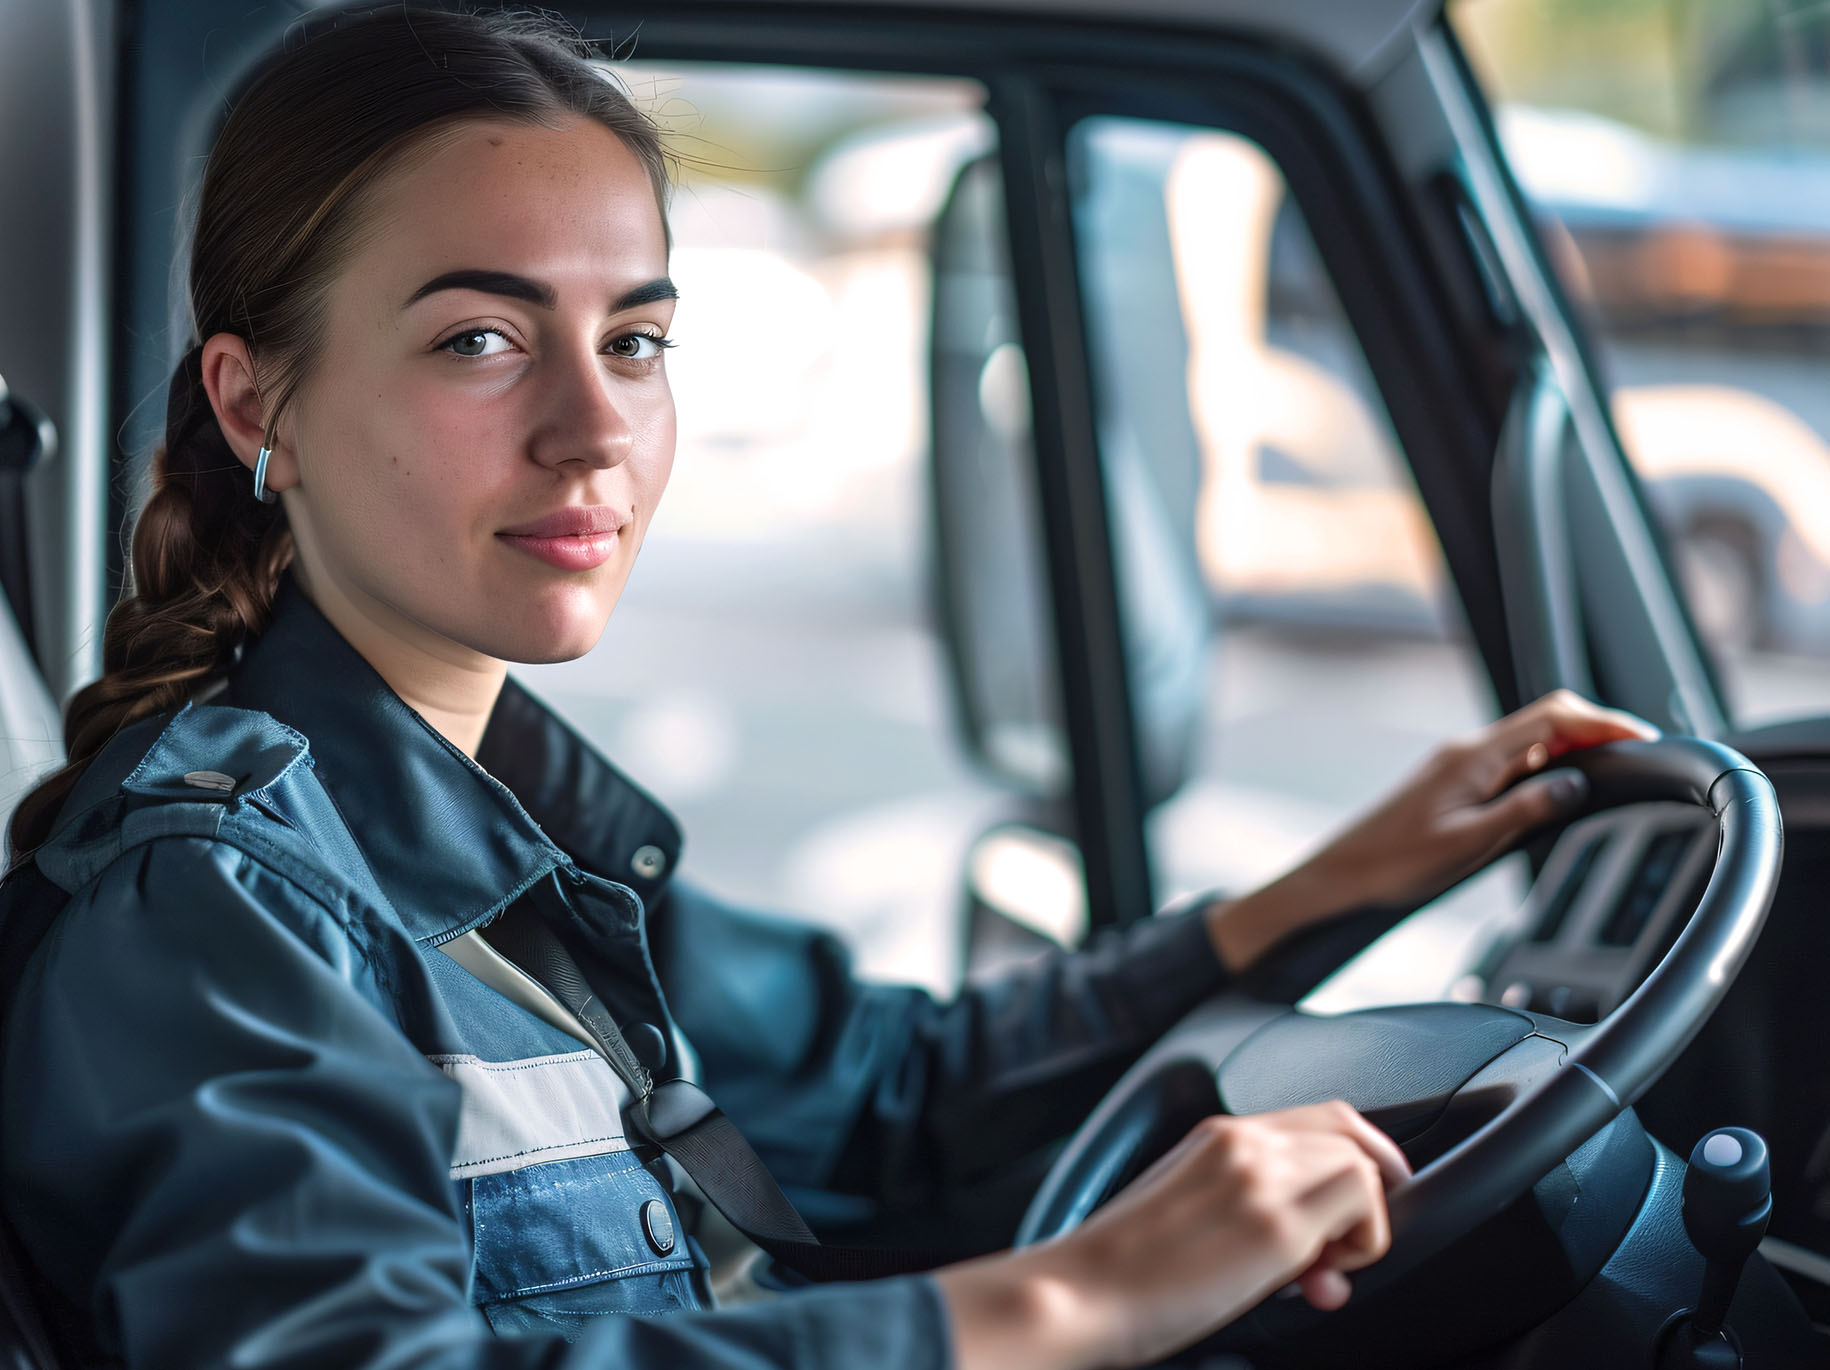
(1677, 160)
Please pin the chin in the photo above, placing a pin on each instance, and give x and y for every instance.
(541, 640)
(547, 655)
(554, 623)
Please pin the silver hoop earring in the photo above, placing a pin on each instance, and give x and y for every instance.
(261, 492)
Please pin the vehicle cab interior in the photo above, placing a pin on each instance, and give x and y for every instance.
(1115, 438)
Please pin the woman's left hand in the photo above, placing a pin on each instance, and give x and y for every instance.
(1452, 816)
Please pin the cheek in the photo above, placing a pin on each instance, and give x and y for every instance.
(403, 470)
(655, 454)
(429, 433)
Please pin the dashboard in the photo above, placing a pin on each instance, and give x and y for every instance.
(1613, 895)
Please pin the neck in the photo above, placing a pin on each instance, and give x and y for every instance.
(452, 687)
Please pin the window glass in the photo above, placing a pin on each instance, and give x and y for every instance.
(1254, 476)
(774, 673)
(1677, 157)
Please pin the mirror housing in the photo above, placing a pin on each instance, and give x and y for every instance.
(990, 582)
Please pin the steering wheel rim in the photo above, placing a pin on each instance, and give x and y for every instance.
(1602, 1070)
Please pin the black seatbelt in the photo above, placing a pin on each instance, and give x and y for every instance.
(681, 1119)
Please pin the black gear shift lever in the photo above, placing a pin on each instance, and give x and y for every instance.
(1728, 1199)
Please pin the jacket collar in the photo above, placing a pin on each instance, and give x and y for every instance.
(450, 841)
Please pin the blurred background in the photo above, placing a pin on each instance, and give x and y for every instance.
(778, 672)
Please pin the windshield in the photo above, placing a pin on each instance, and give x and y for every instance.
(1676, 154)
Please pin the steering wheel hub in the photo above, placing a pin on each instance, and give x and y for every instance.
(1399, 1066)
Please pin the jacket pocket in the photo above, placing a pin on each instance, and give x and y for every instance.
(560, 1243)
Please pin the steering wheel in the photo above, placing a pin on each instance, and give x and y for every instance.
(1520, 1091)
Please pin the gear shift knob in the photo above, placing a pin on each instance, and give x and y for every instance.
(1728, 1195)
(1728, 1199)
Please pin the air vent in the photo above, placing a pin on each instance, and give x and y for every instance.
(1556, 912)
(1571, 1005)
(1679, 917)
(1652, 874)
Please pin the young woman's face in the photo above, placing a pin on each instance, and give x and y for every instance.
(485, 433)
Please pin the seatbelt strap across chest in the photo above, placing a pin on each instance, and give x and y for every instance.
(681, 1119)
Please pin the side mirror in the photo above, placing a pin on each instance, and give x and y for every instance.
(990, 583)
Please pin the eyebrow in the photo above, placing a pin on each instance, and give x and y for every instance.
(516, 287)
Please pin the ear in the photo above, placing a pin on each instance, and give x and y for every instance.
(228, 378)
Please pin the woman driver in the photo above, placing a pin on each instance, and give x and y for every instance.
(277, 1089)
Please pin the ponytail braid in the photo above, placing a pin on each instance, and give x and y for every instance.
(207, 558)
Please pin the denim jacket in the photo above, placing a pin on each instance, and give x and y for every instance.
(252, 1115)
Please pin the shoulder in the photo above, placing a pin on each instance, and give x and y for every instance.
(204, 830)
(234, 781)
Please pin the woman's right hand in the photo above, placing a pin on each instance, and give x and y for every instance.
(1240, 1207)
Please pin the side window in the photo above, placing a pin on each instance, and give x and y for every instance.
(1677, 161)
(1256, 485)
(774, 673)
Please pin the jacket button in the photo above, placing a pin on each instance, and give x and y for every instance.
(648, 861)
(658, 1227)
(210, 780)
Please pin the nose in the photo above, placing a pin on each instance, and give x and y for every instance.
(582, 416)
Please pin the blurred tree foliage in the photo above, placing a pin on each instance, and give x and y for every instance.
(1697, 70)
(710, 115)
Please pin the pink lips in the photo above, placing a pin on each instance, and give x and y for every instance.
(576, 538)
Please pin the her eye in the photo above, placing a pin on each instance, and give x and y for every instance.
(639, 346)
(475, 342)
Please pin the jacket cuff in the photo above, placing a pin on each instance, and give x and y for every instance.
(1169, 965)
(1297, 964)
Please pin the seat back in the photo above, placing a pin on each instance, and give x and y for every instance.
(30, 746)
(31, 732)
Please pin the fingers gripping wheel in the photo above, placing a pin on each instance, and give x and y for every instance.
(1526, 1091)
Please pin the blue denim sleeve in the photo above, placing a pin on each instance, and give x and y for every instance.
(884, 1091)
(221, 1150)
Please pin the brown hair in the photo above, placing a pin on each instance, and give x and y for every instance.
(321, 122)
